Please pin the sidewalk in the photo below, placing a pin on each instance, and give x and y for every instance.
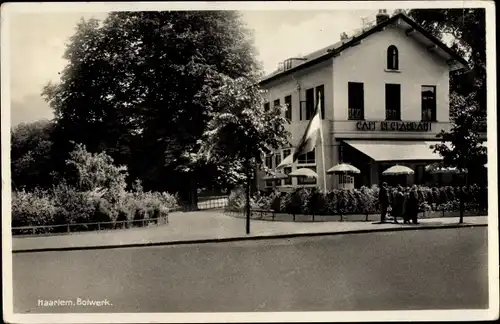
(213, 226)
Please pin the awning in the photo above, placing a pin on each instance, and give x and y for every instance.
(396, 150)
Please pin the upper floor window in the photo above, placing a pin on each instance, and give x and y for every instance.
(288, 104)
(308, 158)
(356, 101)
(277, 159)
(428, 103)
(392, 58)
(320, 91)
(392, 101)
(309, 103)
(266, 106)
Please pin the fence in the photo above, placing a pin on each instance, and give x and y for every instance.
(301, 216)
(83, 227)
(213, 202)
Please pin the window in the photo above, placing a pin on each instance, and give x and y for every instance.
(309, 103)
(308, 158)
(321, 90)
(356, 101)
(420, 174)
(306, 181)
(287, 181)
(393, 102)
(428, 103)
(288, 104)
(269, 164)
(345, 179)
(276, 103)
(392, 58)
(286, 153)
(269, 161)
(302, 110)
(277, 159)
(266, 106)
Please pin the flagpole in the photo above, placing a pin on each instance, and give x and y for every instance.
(322, 145)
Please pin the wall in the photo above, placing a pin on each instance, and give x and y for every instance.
(366, 63)
(319, 74)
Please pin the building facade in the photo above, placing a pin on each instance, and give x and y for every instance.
(385, 97)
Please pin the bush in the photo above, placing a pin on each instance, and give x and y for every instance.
(365, 200)
(33, 209)
(73, 206)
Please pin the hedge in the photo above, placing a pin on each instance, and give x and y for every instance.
(65, 205)
(312, 201)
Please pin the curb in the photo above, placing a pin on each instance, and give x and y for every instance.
(246, 238)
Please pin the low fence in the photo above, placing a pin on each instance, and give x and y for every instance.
(283, 216)
(213, 202)
(84, 227)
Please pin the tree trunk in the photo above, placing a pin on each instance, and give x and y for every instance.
(253, 188)
(193, 191)
(247, 192)
(462, 202)
(189, 192)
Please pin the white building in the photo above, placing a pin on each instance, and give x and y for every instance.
(386, 96)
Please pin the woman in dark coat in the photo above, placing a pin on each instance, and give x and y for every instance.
(412, 205)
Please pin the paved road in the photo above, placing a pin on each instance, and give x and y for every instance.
(421, 269)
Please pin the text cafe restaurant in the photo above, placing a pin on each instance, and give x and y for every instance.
(374, 146)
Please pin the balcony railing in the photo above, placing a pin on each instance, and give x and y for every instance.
(356, 114)
(392, 114)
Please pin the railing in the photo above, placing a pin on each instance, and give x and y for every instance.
(83, 227)
(392, 114)
(355, 114)
(212, 202)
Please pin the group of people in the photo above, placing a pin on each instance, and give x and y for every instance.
(404, 204)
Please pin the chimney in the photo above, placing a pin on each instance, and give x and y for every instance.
(343, 36)
(382, 16)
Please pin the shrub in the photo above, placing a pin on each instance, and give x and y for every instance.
(33, 209)
(73, 206)
(316, 203)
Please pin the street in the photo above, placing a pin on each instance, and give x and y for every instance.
(404, 270)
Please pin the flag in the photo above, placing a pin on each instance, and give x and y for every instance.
(309, 139)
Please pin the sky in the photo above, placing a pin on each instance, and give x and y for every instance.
(38, 42)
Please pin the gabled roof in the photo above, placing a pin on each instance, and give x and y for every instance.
(335, 49)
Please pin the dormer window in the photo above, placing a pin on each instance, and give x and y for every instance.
(392, 58)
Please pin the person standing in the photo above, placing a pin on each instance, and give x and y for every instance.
(412, 205)
(383, 200)
(397, 206)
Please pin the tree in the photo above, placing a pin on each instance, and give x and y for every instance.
(31, 149)
(461, 146)
(97, 172)
(137, 85)
(467, 30)
(241, 132)
(467, 88)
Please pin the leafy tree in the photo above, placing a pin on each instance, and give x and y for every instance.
(137, 85)
(467, 88)
(241, 132)
(467, 28)
(31, 149)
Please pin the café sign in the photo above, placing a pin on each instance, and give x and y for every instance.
(393, 126)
